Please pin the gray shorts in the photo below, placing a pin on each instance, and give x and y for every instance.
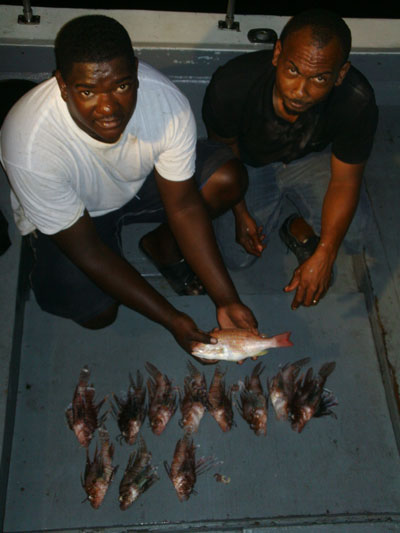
(299, 186)
(63, 289)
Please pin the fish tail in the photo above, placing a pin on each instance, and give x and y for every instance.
(282, 340)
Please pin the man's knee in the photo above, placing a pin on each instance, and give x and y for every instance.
(102, 320)
(226, 187)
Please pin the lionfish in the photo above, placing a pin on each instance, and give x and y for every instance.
(82, 413)
(139, 476)
(282, 388)
(99, 472)
(220, 401)
(184, 468)
(130, 410)
(162, 401)
(310, 398)
(253, 405)
(194, 402)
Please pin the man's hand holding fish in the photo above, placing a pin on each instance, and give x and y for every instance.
(230, 315)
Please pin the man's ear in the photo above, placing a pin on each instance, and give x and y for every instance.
(62, 85)
(342, 73)
(277, 52)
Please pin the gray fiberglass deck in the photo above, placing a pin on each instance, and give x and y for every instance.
(337, 472)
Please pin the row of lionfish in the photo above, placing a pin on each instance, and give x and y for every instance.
(293, 397)
(139, 473)
(130, 409)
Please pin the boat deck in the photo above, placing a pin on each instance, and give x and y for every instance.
(339, 475)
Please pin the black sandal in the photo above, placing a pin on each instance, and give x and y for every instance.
(302, 251)
(179, 275)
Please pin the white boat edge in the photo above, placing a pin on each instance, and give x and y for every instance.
(167, 29)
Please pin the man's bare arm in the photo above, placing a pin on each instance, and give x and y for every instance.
(192, 228)
(311, 279)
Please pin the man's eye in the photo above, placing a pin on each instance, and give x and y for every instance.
(320, 79)
(123, 87)
(292, 70)
(86, 94)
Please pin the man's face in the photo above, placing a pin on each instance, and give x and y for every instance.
(101, 97)
(305, 74)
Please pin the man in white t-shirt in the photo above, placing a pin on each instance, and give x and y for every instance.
(105, 142)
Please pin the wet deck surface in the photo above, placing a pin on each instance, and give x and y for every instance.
(338, 475)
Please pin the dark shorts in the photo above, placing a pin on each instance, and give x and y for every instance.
(63, 289)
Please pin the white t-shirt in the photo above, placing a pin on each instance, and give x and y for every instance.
(56, 170)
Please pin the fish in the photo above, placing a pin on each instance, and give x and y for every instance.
(194, 402)
(281, 388)
(220, 401)
(253, 404)
(184, 468)
(310, 398)
(130, 410)
(237, 344)
(139, 476)
(100, 472)
(162, 402)
(82, 413)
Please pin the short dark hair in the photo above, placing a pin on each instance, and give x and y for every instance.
(91, 39)
(324, 24)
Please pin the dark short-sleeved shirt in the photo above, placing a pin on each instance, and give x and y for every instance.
(238, 103)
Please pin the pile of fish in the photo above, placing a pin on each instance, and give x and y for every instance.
(294, 397)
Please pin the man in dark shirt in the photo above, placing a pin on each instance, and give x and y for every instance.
(279, 111)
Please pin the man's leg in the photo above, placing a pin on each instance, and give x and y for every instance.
(63, 289)
(222, 182)
(263, 201)
(304, 183)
